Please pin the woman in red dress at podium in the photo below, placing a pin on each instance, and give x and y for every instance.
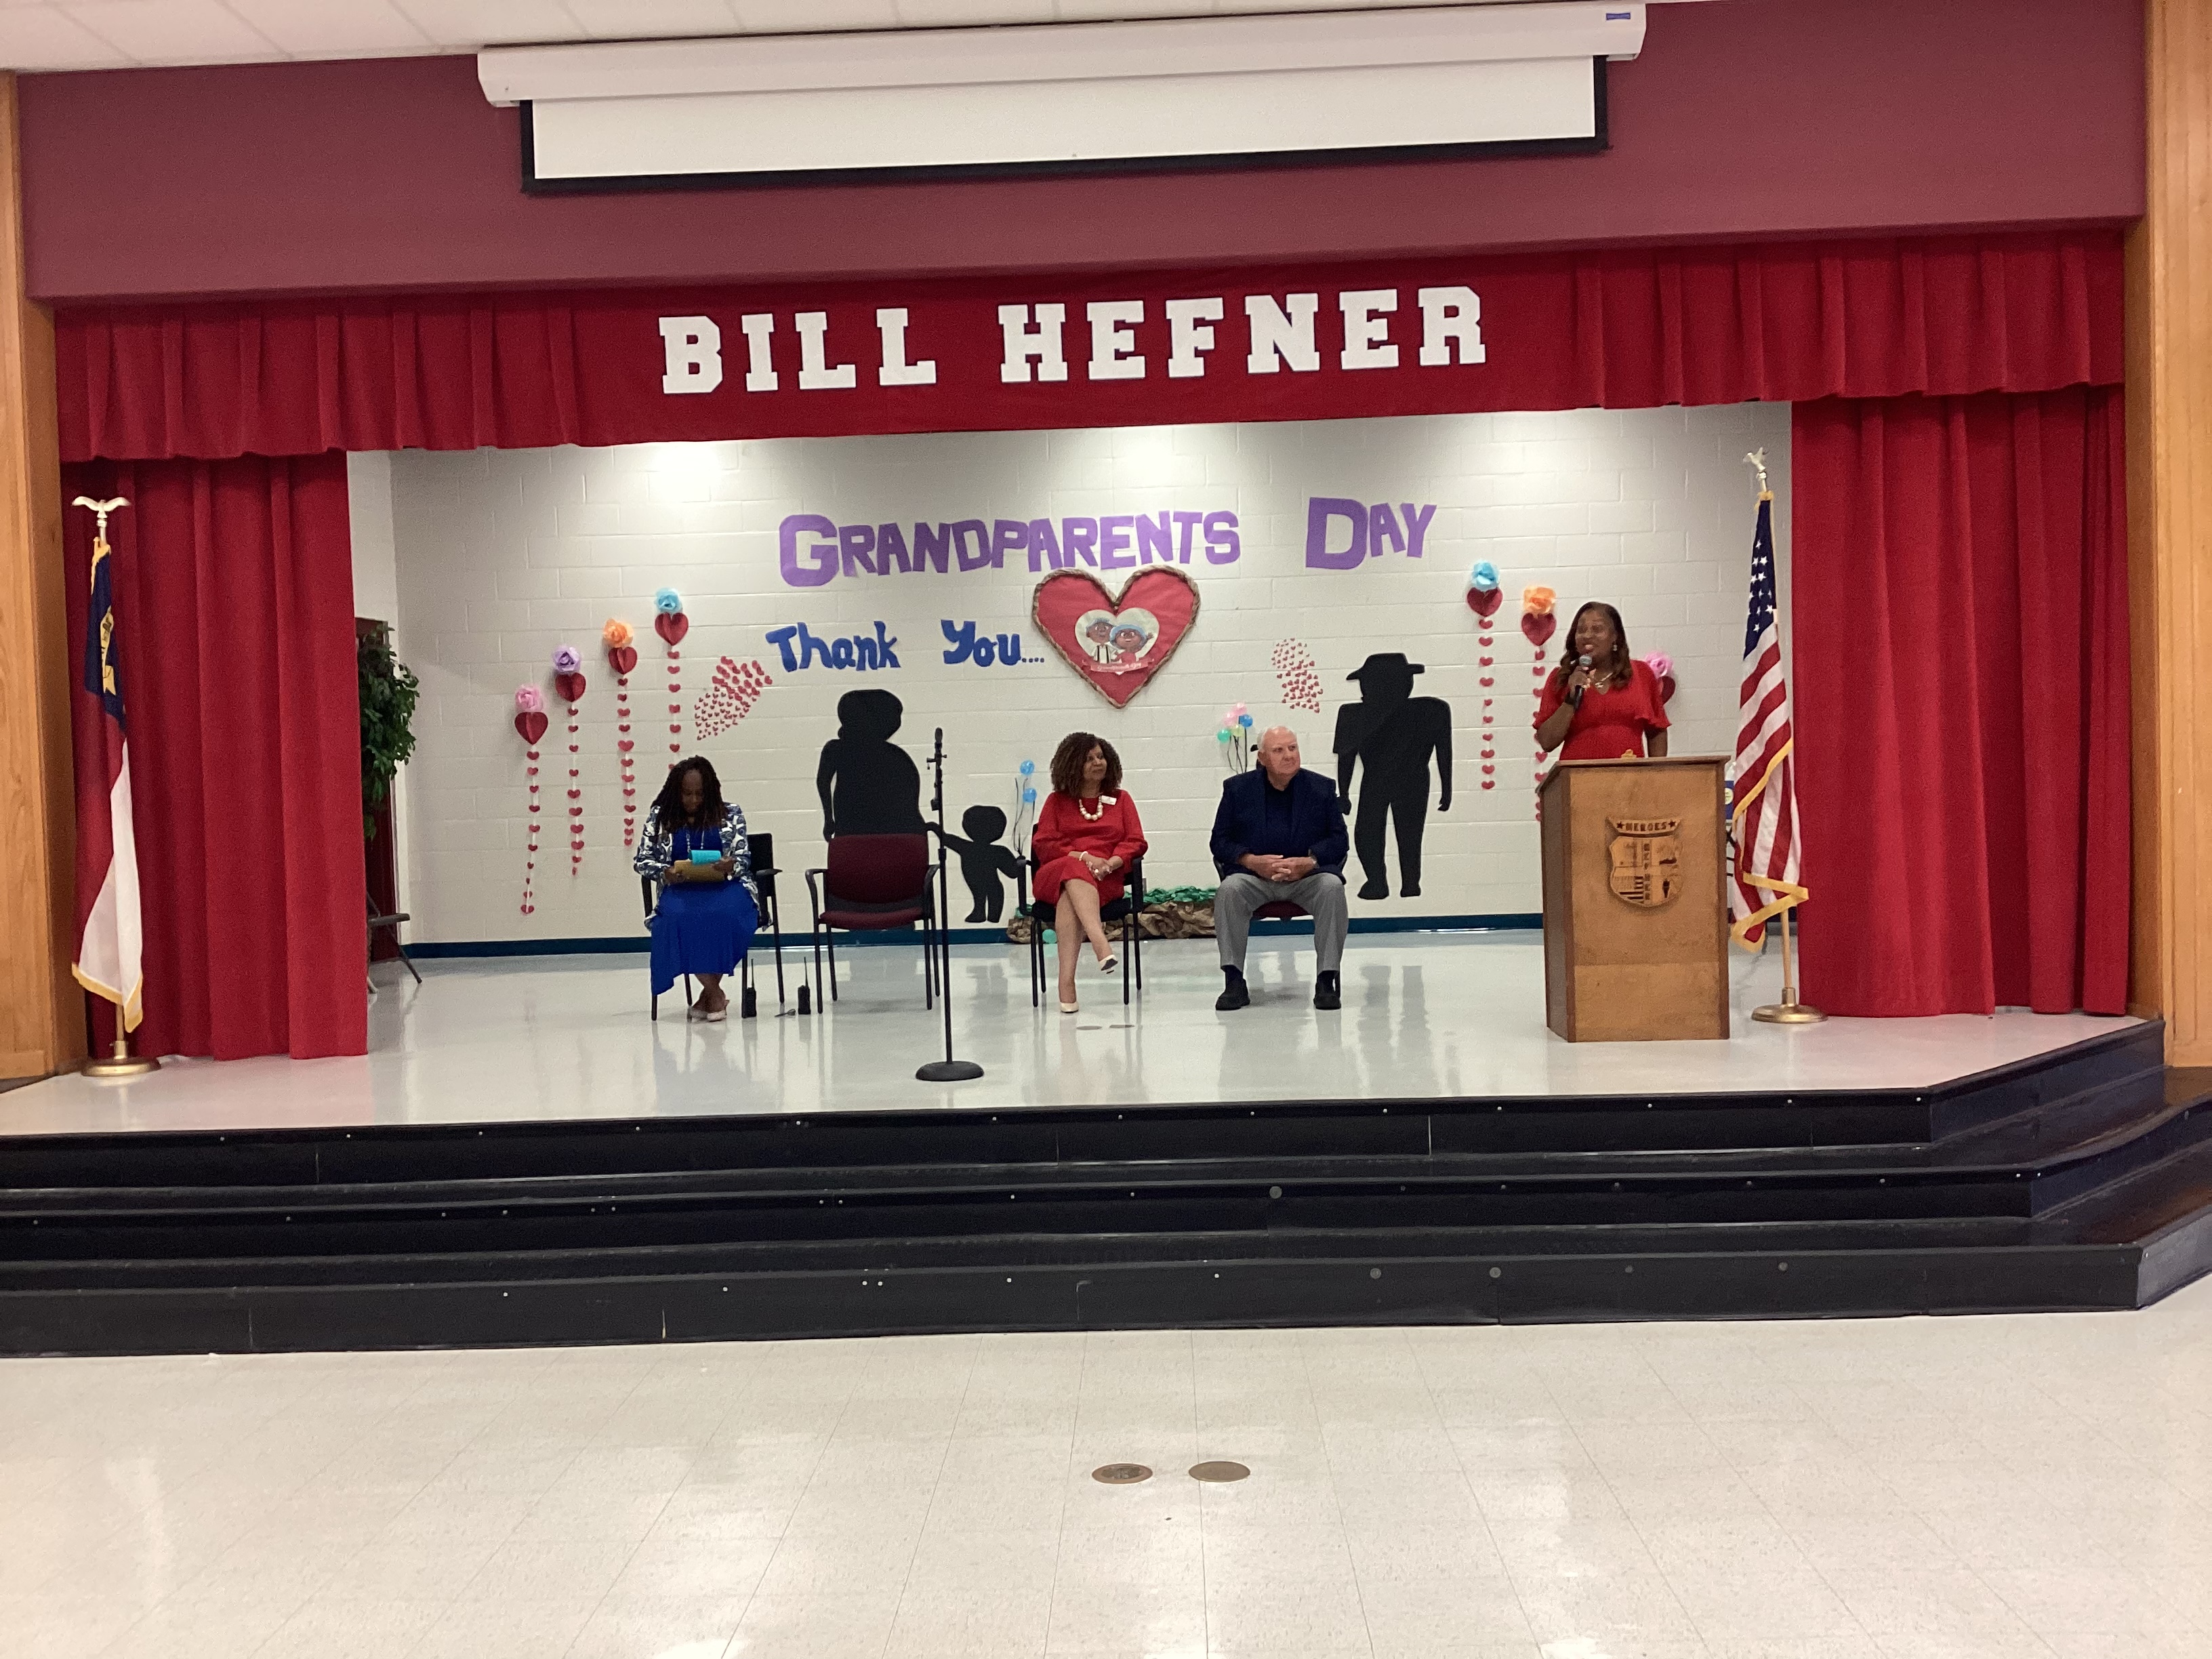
(1620, 712)
(1087, 834)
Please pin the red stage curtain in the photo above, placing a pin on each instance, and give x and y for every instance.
(233, 602)
(1961, 686)
(1622, 329)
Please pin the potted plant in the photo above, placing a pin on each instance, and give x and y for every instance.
(388, 691)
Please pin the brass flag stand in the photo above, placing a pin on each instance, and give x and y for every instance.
(122, 1063)
(1788, 1010)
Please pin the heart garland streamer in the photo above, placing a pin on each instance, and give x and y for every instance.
(671, 624)
(568, 681)
(1483, 596)
(1537, 623)
(619, 639)
(530, 727)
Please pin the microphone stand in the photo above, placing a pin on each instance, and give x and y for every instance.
(947, 1070)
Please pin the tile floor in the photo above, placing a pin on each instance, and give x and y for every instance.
(2031, 1487)
(1425, 1016)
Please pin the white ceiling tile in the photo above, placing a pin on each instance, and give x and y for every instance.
(963, 13)
(41, 38)
(471, 23)
(805, 16)
(171, 31)
(653, 19)
(329, 28)
(1097, 11)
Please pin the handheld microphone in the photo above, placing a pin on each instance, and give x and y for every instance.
(1574, 697)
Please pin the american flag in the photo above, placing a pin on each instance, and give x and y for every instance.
(1763, 820)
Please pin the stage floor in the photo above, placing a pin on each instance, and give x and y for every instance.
(1426, 1017)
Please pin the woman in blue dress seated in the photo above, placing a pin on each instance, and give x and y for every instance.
(704, 921)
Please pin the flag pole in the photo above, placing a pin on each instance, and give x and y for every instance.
(122, 1063)
(1789, 1011)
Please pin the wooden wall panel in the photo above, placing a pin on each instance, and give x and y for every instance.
(2170, 533)
(41, 1010)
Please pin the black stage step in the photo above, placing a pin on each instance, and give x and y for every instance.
(2082, 1179)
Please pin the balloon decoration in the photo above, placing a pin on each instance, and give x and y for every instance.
(530, 727)
(1483, 594)
(619, 640)
(1296, 673)
(671, 624)
(1026, 806)
(1538, 624)
(1662, 668)
(1235, 736)
(736, 687)
(568, 681)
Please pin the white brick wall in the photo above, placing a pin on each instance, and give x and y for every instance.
(503, 555)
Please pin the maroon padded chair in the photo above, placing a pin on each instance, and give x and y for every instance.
(872, 884)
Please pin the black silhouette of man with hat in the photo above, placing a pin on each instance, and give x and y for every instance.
(1393, 733)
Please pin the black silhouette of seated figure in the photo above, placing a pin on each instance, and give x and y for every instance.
(984, 865)
(869, 786)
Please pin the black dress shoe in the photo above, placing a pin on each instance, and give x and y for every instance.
(1325, 995)
(1233, 995)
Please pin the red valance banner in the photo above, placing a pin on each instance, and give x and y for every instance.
(1622, 329)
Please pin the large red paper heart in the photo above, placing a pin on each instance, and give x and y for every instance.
(530, 728)
(671, 626)
(1141, 626)
(570, 686)
(1538, 626)
(622, 658)
(1484, 601)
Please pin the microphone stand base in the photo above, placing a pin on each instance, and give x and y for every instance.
(950, 1071)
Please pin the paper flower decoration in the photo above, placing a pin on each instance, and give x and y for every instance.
(567, 660)
(668, 602)
(1660, 665)
(1483, 579)
(1538, 601)
(617, 635)
(528, 700)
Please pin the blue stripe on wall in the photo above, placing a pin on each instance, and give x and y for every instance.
(638, 946)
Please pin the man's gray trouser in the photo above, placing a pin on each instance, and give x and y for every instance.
(1243, 893)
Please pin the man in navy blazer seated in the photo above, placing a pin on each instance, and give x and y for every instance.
(1279, 834)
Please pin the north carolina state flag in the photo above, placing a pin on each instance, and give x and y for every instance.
(109, 955)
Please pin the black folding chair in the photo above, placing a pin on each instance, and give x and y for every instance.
(379, 919)
(1125, 910)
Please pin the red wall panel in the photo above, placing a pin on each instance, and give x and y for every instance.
(1744, 119)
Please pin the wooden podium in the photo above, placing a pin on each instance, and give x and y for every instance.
(1635, 910)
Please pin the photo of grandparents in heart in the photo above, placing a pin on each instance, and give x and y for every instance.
(1119, 640)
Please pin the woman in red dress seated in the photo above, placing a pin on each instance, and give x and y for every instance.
(1610, 710)
(1086, 836)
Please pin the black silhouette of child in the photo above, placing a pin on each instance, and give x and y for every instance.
(982, 863)
(1394, 732)
(869, 786)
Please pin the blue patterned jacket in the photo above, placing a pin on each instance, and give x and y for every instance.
(656, 847)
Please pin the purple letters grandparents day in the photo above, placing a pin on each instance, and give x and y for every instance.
(815, 551)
